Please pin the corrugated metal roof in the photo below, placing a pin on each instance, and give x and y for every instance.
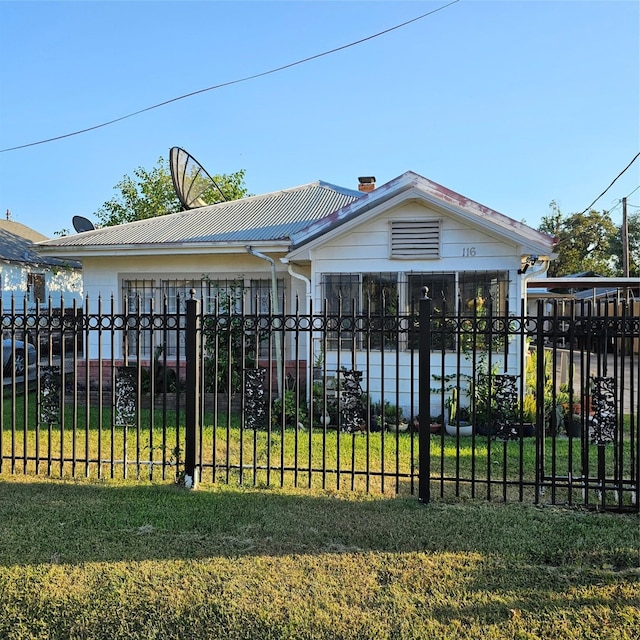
(272, 216)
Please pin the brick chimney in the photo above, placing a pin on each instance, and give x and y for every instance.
(367, 183)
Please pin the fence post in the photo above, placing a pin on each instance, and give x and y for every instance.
(192, 378)
(424, 397)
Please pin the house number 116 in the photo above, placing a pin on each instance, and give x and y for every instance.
(468, 252)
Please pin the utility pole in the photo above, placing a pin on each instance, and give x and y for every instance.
(625, 239)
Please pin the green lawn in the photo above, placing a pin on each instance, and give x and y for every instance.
(153, 448)
(88, 559)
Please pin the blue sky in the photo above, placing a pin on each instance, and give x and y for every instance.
(513, 104)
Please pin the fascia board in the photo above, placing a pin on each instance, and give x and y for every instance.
(165, 248)
(512, 231)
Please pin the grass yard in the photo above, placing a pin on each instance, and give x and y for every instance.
(88, 559)
(152, 447)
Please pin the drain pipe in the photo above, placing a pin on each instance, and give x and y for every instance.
(299, 276)
(307, 285)
(276, 309)
(544, 267)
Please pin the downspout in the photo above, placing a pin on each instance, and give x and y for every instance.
(276, 310)
(544, 267)
(307, 285)
(306, 280)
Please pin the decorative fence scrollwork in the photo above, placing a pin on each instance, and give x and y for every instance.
(602, 424)
(352, 407)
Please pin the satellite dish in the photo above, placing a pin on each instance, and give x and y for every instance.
(81, 224)
(190, 180)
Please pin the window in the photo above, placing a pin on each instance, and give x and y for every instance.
(35, 287)
(139, 298)
(224, 296)
(362, 293)
(261, 293)
(478, 290)
(466, 293)
(441, 290)
(381, 299)
(372, 295)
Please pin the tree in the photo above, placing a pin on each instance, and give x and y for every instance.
(150, 193)
(584, 242)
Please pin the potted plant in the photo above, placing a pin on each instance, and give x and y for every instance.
(389, 416)
(289, 407)
(566, 413)
(458, 421)
(529, 410)
(324, 404)
(318, 364)
(435, 424)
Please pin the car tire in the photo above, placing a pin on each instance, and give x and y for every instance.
(16, 367)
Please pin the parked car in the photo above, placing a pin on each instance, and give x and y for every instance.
(14, 360)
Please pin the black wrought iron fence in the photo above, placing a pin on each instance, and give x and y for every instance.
(499, 406)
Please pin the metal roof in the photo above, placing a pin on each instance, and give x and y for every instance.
(268, 217)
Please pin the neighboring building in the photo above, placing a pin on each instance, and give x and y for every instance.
(584, 294)
(317, 242)
(28, 276)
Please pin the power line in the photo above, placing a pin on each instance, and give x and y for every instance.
(630, 194)
(612, 183)
(232, 82)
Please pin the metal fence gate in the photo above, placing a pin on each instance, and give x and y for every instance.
(499, 406)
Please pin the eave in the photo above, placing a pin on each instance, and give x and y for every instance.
(166, 248)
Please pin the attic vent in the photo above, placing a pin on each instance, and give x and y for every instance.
(415, 238)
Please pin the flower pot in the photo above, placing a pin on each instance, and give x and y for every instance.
(573, 426)
(527, 430)
(462, 429)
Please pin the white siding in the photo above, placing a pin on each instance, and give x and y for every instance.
(366, 249)
(60, 284)
(105, 278)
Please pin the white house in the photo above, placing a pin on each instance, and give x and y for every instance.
(316, 242)
(28, 276)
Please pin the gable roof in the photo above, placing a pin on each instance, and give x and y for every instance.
(292, 220)
(269, 217)
(17, 246)
(21, 230)
(412, 187)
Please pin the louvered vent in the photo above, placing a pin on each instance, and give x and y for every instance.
(415, 239)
